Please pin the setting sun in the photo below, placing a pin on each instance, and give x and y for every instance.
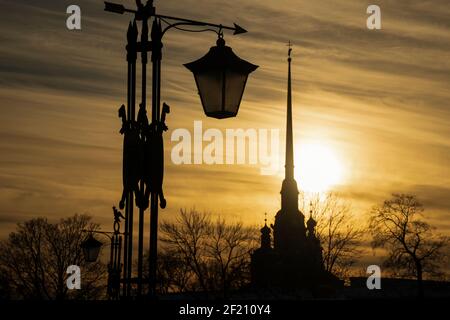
(318, 167)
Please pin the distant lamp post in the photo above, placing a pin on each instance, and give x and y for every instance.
(91, 248)
(221, 76)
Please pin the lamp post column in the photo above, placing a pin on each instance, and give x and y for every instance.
(156, 35)
(131, 98)
(143, 106)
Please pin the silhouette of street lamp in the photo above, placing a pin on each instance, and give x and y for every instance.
(91, 248)
(221, 77)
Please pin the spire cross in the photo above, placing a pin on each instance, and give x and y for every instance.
(265, 217)
(290, 48)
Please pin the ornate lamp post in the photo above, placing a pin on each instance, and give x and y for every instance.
(220, 76)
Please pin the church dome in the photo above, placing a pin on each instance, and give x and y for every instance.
(311, 223)
(265, 229)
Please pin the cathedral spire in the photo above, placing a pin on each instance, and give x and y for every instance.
(289, 164)
(289, 191)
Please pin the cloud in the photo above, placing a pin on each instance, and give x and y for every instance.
(380, 98)
(434, 197)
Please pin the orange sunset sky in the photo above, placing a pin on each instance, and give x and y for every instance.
(371, 107)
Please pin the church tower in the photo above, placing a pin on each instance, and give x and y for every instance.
(289, 228)
(295, 260)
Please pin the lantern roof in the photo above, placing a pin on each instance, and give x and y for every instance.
(221, 57)
(91, 242)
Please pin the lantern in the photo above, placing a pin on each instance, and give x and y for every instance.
(91, 248)
(221, 76)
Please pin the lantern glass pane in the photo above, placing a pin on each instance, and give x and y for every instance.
(91, 253)
(234, 88)
(210, 85)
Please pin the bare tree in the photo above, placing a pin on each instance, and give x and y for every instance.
(217, 253)
(35, 258)
(173, 274)
(186, 239)
(338, 232)
(413, 248)
(229, 249)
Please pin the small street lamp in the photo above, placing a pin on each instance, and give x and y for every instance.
(221, 76)
(91, 248)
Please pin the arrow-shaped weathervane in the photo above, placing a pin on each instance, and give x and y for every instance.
(120, 9)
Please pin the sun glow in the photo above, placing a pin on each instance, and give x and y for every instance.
(317, 167)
